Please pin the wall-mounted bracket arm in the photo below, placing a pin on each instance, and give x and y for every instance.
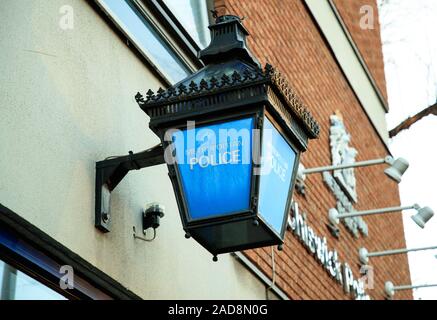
(111, 171)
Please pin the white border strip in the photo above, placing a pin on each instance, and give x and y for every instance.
(131, 37)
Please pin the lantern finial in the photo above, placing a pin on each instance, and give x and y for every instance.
(228, 41)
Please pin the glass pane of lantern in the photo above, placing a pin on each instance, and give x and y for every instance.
(277, 163)
(215, 163)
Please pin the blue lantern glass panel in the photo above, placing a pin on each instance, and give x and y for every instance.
(277, 164)
(215, 167)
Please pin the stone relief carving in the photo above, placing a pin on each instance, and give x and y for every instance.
(342, 153)
(355, 225)
(342, 183)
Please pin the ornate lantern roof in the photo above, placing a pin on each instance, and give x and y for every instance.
(231, 74)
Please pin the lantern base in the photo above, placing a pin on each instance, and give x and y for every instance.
(219, 238)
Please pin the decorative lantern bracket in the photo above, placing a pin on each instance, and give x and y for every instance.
(111, 171)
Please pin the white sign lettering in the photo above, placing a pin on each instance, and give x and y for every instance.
(318, 247)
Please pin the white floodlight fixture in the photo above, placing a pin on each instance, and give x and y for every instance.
(395, 171)
(420, 218)
(364, 255)
(390, 288)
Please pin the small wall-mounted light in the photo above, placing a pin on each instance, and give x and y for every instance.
(152, 215)
(420, 218)
(151, 218)
(364, 255)
(395, 171)
(390, 288)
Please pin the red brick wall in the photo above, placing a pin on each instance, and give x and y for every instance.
(368, 41)
(284, 34)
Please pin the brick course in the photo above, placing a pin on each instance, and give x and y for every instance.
(284, 34)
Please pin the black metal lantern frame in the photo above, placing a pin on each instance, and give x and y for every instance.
(259, 94)
(231, 86)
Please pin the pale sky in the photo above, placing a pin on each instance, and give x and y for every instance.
(410, 54)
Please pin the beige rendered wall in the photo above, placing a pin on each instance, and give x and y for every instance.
(67, 100)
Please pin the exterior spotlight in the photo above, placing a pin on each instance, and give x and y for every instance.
(422, 216)
(300, 179)
(232, 134)
(395, 171)
(364, 255)
(333, 216)
(152, 216)
(390, 288)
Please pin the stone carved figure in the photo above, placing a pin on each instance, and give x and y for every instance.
(342, 153)
(342, 182)
(348, 174)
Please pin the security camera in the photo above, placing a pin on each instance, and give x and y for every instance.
(152, 215)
